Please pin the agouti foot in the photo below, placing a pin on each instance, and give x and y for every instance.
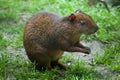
(62, 66)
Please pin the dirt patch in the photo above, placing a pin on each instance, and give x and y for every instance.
(105, 72)
(96, 48)
(17, 52)
(24, 17)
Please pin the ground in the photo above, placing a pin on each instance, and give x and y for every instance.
(96, 48)
(102, 63)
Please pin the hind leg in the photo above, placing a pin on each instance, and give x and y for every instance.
(42, 66)
(41, 61)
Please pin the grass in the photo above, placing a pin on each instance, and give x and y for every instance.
(18, 68)
(13, 67)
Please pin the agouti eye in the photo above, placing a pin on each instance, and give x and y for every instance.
(82, 22)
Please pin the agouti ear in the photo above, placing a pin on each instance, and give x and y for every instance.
(78, 11)
(72, 17)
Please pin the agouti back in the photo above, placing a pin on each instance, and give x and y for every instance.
(47, 36)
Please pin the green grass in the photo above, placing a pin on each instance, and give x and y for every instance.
(17, 68)
(11, 33)
(110, 57)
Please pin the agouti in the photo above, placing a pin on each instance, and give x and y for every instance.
(47, 36)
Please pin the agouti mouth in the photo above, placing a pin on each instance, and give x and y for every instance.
(95, 30)
(91, 32)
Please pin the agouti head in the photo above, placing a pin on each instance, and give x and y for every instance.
(83, 22)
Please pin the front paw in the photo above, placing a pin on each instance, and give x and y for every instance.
(87, 50)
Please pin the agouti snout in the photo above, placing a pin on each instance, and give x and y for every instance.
(47, 36)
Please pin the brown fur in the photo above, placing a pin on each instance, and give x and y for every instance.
(47, 36)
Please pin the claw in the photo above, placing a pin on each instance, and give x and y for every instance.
(87, 50)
